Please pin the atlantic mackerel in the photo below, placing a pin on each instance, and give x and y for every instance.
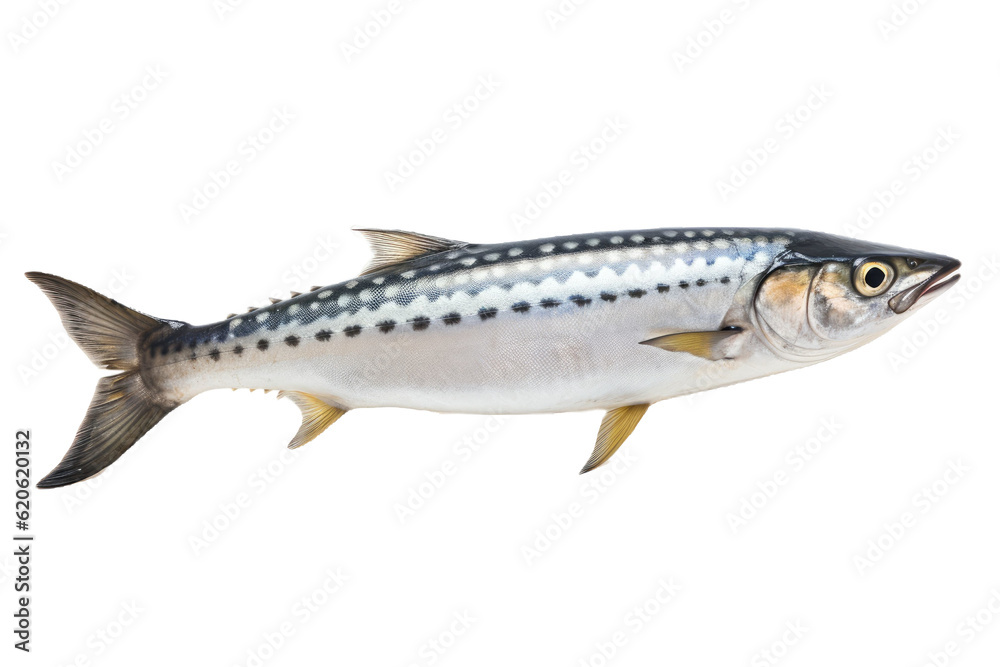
(609, 321)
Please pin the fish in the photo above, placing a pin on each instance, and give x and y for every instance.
(610, 321)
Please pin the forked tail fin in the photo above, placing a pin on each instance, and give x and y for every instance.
(124, 406)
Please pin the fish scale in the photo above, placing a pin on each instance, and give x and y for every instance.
(613, 321)
(523, 286)
(525, 268)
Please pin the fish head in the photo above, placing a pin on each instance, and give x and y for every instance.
(829, 294)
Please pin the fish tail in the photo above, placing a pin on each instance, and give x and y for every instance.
(125, 405)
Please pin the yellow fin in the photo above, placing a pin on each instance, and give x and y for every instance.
(392, 246)
(706, 344)
(618, 424)
(317, 414)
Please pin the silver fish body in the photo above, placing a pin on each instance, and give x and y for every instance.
(549, 325)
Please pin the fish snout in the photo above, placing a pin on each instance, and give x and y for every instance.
(942, 276)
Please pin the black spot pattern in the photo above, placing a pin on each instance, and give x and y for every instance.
(355, 302)
(262, 344)
(292, 341)
(215, 354)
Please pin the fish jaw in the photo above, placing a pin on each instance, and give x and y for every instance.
(940, 280)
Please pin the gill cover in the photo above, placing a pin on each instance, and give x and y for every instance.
(807, 312)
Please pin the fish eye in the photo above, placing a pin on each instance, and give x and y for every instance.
(873, 278)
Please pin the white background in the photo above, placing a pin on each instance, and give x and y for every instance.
(905, 408)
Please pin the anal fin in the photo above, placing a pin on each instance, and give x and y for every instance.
(317, 415)
(617, 425)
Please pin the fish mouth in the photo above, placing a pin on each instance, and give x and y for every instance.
(933, 285)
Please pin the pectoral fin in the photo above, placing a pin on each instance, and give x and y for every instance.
(317, 414)
(618, 424)
(705, 344)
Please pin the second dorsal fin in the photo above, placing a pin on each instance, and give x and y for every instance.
(392, 246)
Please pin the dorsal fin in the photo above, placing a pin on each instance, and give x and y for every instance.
(392, 246)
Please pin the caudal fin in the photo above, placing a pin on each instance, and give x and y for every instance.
(124, 406)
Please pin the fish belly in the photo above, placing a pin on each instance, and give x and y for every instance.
(545, 361)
